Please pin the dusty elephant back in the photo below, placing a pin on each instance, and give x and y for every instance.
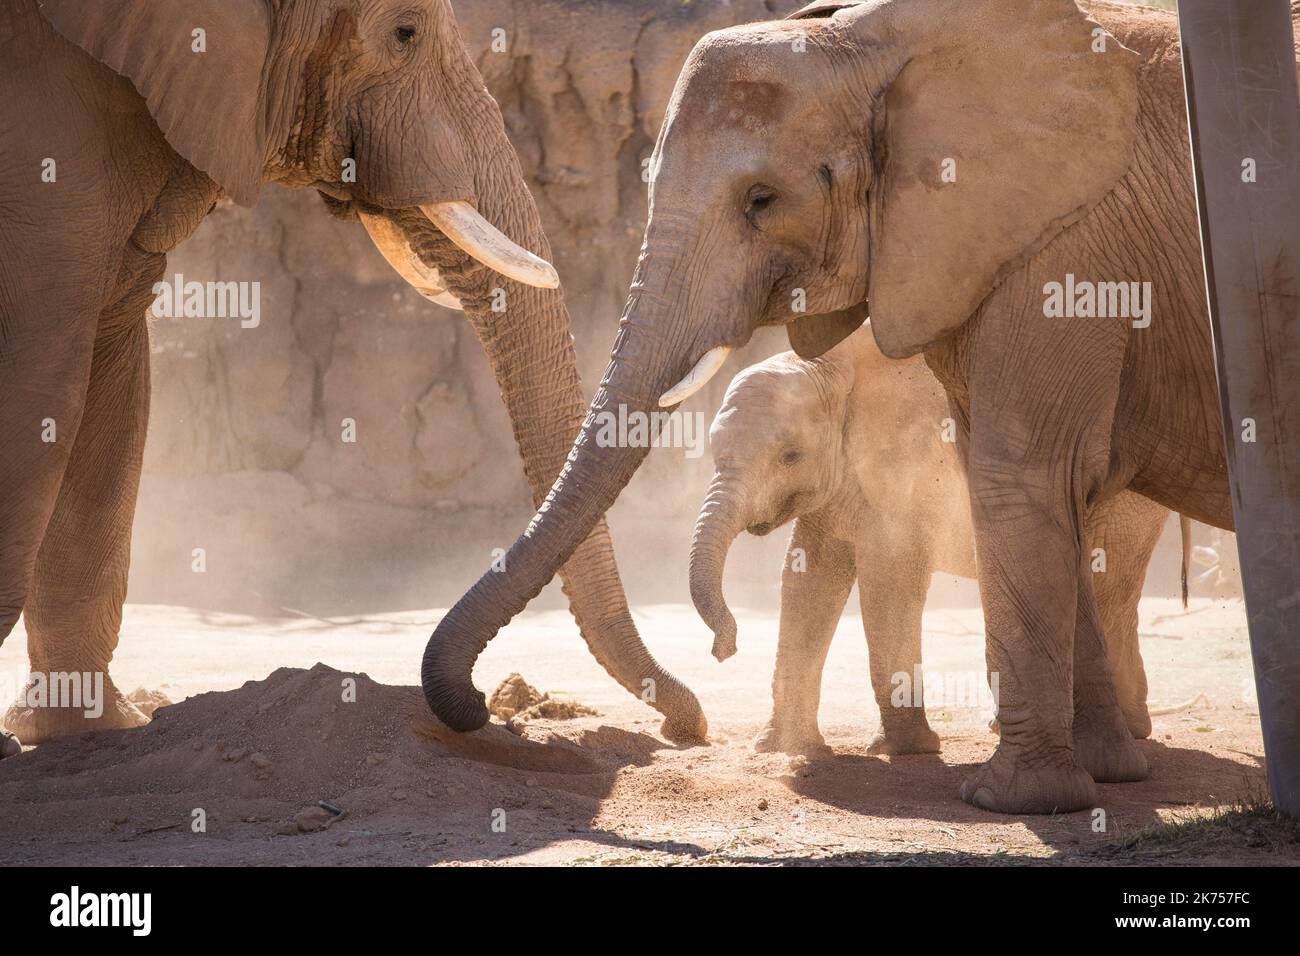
(901, 453)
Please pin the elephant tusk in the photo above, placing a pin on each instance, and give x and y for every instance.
(698, 377)
(461, 223)
(392, 244)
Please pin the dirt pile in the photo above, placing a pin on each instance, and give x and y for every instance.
(519, 701)
(303, 751)
(147, 701)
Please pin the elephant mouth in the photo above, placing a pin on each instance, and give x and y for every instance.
(784, 514)
(460, 224)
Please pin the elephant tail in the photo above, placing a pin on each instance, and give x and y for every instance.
(1185, 531)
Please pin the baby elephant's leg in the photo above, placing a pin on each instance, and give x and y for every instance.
(815, 585)
(892, 589)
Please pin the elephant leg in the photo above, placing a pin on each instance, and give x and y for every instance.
(1028, 562)
(1125, 528)
(815, 585)
(74, 606)
(1103, 745)
(892, 587)
(45, 359)
(1042, 399)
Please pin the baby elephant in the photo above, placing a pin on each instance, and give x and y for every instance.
(857, 449)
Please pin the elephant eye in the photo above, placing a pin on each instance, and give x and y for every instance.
(791, 457)
(405, 34)
(758, 199)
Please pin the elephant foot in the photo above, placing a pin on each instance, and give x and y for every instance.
(912, 738)
(1005, 783)
(10, 746)
(790, 739)
(1110, 758)
(1138, 721)
(44, 711)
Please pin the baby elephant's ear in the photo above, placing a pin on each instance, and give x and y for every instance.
(811, 335)
(199, 66)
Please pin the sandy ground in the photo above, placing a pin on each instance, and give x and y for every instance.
(251, 751)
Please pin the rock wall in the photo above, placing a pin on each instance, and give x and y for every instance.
(245, 435)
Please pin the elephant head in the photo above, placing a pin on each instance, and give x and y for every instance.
(896, 157)
(778, 453)
(377, 105)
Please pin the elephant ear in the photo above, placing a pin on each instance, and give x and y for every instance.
(207, 104)
(812, 335)
(1007, 121)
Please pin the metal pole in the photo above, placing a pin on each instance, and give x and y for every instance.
(1244, 118)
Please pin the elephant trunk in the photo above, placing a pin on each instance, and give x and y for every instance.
(719, 522)
(586, 487)
(531, 351)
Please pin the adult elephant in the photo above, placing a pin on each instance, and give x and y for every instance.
(953, 166)
(124, 122)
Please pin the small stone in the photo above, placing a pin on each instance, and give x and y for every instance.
(530, 782)
(311, 819)
(263, 766)
(9, 745)
(399, 795)
(762, 804)
(119, 821)
(236, 755)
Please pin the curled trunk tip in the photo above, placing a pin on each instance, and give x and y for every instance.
(453, 699)
(724, 640)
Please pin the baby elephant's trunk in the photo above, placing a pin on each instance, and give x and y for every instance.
(719, 522)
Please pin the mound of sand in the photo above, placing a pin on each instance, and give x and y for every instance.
(298, 752)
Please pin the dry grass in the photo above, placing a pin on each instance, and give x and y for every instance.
(1252, 824)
